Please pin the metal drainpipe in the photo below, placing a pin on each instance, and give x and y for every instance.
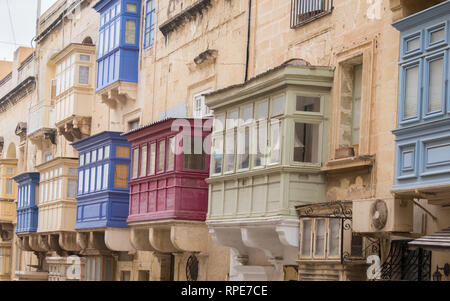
(248, 39)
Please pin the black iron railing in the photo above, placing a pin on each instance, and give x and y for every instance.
(305, 11)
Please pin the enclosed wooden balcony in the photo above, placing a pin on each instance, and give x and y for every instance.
(8, 190)
(27, 198)
(73, 90)
(41, 125)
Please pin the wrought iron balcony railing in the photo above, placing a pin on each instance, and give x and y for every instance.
(305, 11)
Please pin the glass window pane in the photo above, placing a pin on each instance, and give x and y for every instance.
(413, 44)
(217, 154)
(107, 152)
(170, 154)
(247, 113)
(117, 32)
(193, 157)
(319, 243)
(93, 179)
(71, 188)
(278, 105)
(356, 104)
(436, 69)
(130, 31)
(262, 110)
(151, 163)
(229, 151)
(99, 178)
(411, 91)
(260, 144)
(121, 176)
(80, 182)
(86, 181)
(244, 148)
(83, 75)
(333, 240)
(143, 161)
(100, 153)
(219, 123)
(105, 176)
(161, 155)
(306, 143)
(308, 104)
(94, 156)
(306, 238)
(437, 36)
(88, 158)
(135, 162)
(275, 141)
(131, 7)
(232, 118)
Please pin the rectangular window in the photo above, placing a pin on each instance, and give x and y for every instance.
(131, 7)
(260, 143)
(93, 179)
(105, 176)
(334, 237)
(161, 155)
(262, 110)
(121, 176)
(9, 183)
(171, 154)
(275, 129)
(143, 161)
(306, 142)
(152, 158)
(411, 91)
(94, 155)
(88, 158)
(278, 106)
(86, 181)
(135, 162)
(99, 178)
(357, 245)
(194, 156)
(100, 154)
(117, 33)
(306, 238)
(308, 104)
(356, 103)
(71, 188)
(107, 151)
(436, 77)
(83, 75)
(319, 238)
(130, 31)
(125, 275)
(80, 182)
(85, 58)
(229, 152)
(217, 154)
(244, 148)
(149, 23)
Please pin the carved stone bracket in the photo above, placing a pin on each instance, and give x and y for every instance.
(187, 14)
(76, 128)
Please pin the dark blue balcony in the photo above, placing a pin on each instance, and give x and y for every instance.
(27, 209)
(423, 133)
(103, 174)
(118, 47)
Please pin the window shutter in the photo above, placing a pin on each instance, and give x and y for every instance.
(309, 6)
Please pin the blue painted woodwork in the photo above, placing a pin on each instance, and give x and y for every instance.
(100, 203)
(118, 55)
(149, 26)
(423, 140)
(27, 209)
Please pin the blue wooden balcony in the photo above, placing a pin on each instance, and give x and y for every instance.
(27, 209)
(103, 173)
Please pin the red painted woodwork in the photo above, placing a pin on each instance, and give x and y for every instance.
(179, 194)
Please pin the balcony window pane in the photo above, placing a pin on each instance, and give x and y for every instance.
(194, 156)
(161, 155)
(80, 182)
(83, 75)
(88, 158)
(100, 153)
(152, 158)
(9, 183)
(99, 178)
(219, 123)
(117, 32)
(308, 104)
(123, 151)
(278, 105)
(130, 31)
(135, 162)
(262, 110)
(306, 142)
(217, 154)
(170, 154)
(319, 243)
(436, 82)
(247, 113)
(71, 188)
(86, 181)
(232, 118)
(107, 152)
(275, 141)
(333, 240)
(93, 179)
(131, 7)
(413, 44)
(306, 238)
(105, 176)
(260, 144)
(111, 36)
(85, 58)
(411, 91)
(94, 156)
(121, 176)
(244, 148)
(143, 161)
(437, 36)
(229, 151)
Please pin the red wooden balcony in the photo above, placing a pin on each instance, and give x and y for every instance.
(169, 168)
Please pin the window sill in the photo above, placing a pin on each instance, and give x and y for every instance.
(349, 164)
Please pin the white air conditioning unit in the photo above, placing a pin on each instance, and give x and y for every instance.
(392, 215)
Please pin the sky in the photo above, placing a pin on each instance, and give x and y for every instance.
(20, 29)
